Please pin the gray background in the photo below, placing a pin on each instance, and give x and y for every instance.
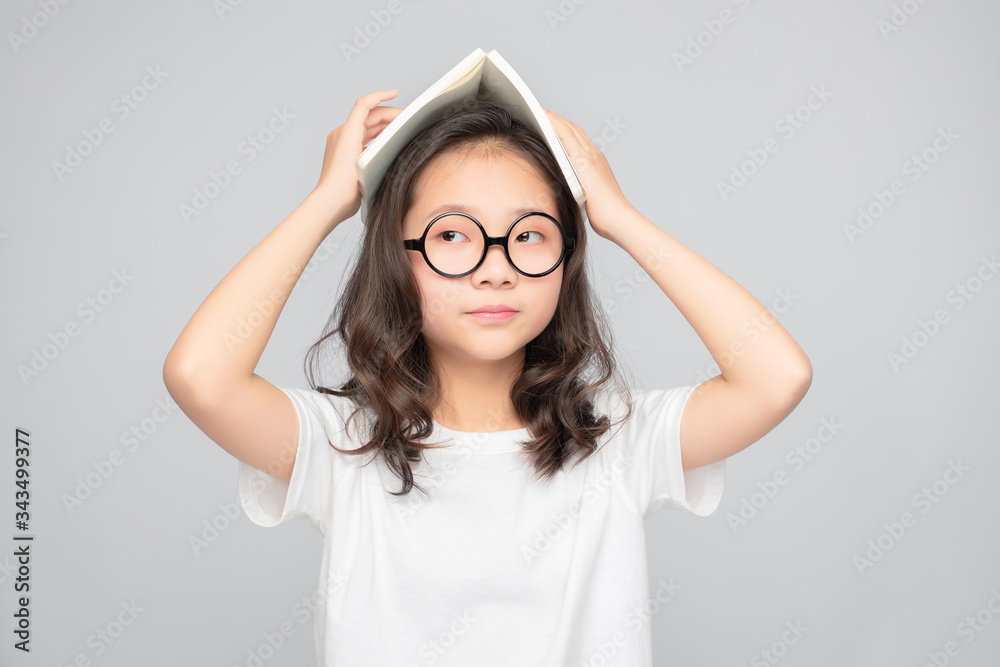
(682, 131)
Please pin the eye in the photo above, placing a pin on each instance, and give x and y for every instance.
(537, 238)
(451, 235)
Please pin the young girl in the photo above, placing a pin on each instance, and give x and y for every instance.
(480, 480)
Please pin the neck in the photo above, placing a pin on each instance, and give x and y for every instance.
(476, 395)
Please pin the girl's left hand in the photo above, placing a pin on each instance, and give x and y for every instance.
(605, 200)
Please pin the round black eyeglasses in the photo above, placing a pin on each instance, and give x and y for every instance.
(454, 244)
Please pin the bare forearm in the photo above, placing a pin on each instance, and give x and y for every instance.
(753, 351)
(223, 342)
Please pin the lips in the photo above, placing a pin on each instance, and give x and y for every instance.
(500, 308)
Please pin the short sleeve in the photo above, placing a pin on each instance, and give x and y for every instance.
(646, 453)
(268, 500)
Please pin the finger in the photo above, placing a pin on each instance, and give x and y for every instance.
(569, 125)
(365, 103)
(357, 124)
(571, 130)
(373, 131)
(373, 98)
(558, 118)
(380, 114)
(378, 120)
(559, 125)
(577, 130)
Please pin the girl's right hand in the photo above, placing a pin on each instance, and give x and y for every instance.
(338, 187)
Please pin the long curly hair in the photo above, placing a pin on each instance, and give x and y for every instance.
(379, 320)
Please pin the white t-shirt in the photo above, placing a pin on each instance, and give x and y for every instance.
(491, 567)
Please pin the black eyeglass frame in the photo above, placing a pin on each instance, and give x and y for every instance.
(418, 244)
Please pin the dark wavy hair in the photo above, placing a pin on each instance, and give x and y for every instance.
(379, 319)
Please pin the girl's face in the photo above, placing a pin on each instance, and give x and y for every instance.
(495, 191)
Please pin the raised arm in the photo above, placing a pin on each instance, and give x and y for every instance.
(209, 371)
(765, 373)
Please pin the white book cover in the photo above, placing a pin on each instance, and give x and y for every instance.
(479, 76)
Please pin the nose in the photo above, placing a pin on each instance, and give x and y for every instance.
(495, 267)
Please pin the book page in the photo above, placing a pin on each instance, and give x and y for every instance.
(472, 72)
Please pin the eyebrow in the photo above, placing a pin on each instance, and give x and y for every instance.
(473, 211)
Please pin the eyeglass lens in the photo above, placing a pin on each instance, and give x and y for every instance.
(454, 244)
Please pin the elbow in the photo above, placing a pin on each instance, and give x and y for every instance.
(183, 387)
(173, 377)
(190, 382)
(786, 384)
(178, 377)
(799, 380)
(173, 372)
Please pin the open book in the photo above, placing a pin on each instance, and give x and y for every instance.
(480, 75)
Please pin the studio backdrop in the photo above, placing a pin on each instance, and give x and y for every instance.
(837, 159)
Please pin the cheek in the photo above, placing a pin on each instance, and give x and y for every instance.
(554, 286)
(416, 262)
(547, 294)
(422, 274)
(437, 293)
